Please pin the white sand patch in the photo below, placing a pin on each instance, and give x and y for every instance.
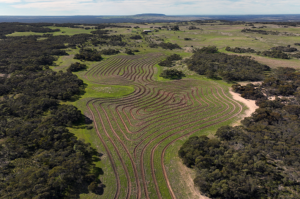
(188, 49)
(188, 175)
(249, 103)
(245, 83)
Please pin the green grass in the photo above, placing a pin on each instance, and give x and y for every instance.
(63, 31)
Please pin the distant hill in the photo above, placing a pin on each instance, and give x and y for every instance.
(150, 15)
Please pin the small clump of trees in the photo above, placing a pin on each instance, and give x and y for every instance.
(136, 37)
(296, 55)
(76, 67)
(193, 28)
(129, 51)
(172, 74)
(58, 52)
(164, 45)
(88, 54)
(175, 28)
(284, 48)
(240, 50)
(169, 60)
(109, 51)
(274, 54)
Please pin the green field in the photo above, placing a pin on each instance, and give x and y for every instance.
(140, 119)
(63, 31)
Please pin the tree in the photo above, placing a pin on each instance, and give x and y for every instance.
(76, 67)
(172, 74)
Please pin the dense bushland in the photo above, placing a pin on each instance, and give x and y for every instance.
(282, 82)
(248, 91)
(8, 28)
(259, 159)
(39, 157)
(206, 61)
(30, 54)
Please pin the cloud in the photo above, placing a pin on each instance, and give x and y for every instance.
(9, 1)
(172, 7)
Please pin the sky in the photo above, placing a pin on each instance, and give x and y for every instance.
(131, 7)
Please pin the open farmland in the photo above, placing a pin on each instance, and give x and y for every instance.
(139, 131)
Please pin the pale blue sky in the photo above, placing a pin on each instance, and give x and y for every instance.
(130, 7)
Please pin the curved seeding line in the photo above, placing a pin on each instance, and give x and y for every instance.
(118, 153)
(144, 73)
(165, 148)
(144, 148)
(129, 155)
(153, 149)
(114, 118)
(108, 154)
(188, 123)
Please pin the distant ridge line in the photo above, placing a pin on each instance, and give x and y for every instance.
(150, 14)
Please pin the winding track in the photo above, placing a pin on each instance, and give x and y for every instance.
(137, 130)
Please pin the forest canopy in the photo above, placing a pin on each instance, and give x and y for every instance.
(40, 158)
(260, 158)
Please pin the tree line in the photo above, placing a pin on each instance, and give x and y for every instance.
(240, 50)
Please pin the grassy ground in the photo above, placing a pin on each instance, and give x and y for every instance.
(63, 31)
(108, 92)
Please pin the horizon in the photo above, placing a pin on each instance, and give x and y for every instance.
(144, 14)
(129, 7)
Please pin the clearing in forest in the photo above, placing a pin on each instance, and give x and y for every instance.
(141, 132)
